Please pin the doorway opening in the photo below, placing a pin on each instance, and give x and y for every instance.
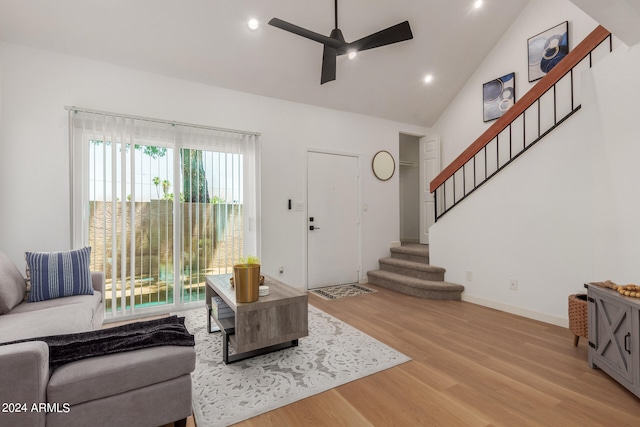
(409, 188)
(419, 165)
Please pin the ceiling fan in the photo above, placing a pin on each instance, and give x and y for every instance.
(335, 44)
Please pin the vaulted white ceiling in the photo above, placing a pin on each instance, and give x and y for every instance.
(620, 17)
(208, 41)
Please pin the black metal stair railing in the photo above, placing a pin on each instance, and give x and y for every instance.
(541, 110)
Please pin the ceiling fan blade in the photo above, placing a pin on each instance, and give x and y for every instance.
(398, 33)
(292, 28)
(329, 55)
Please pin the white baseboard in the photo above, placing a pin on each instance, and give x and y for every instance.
(395, 244)
(530, 314)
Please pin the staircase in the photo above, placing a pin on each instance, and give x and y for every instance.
(512, 134)
(408, 271)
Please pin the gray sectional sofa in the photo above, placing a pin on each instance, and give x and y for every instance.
(147, 387)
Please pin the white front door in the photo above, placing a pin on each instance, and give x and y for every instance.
(333, 219)
(429, 169)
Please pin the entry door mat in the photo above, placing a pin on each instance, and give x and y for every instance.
(341, 291)
(333, 354)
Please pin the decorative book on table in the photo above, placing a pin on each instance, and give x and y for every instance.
(222, 315)
(220, 309)
(218, 303)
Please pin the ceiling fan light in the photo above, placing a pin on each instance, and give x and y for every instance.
(352, 54)
(428, 78)
(253, 24)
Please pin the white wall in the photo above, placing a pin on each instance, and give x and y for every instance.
(462, 123)
(616, 202)
(564, 213)
(35, 85)
(532, 222)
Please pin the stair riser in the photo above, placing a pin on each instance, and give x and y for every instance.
(415, 258)
(418, 274)
(422, 293)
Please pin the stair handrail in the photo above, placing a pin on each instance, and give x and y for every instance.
(573, 58)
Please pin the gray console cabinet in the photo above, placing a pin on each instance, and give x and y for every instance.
(614, 335)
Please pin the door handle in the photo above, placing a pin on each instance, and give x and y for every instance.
(627, 338)
(313, 227)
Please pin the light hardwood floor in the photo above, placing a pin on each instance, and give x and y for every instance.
(472, 366)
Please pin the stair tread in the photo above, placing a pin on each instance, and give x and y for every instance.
(416, 283)
(418, 250)
(415, 265)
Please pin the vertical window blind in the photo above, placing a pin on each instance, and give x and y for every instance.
(162, 205)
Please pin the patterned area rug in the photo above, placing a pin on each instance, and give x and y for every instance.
(341, 291)
(333, 354)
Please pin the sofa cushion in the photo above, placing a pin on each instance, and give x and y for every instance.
(92, 301)
(53, 317)
(104, 376)
(66, 319)
(12, 285)
(59, 274)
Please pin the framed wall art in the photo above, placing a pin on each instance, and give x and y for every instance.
(547, 49)
(498, 96)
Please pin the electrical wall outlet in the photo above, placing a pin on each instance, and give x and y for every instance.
(469, 276)
(513, 284)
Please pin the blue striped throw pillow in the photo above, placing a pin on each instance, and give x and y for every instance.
(59, 274)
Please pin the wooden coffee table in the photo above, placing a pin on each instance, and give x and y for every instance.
(274, 322)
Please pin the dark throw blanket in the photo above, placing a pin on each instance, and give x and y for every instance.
(133, 336)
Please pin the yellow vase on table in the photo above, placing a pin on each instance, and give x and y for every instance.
(246, 278)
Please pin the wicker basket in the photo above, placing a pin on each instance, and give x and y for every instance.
(578, 319)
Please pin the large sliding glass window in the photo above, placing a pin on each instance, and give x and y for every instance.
(162, 205)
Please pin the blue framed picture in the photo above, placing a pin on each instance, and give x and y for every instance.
(498, 96)
(547, 49)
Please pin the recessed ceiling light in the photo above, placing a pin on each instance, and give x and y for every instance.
(477, 4)
(253, 24)
(352, 54)
(428, 78)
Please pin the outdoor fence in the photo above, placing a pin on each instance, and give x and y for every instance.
(210, 243)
